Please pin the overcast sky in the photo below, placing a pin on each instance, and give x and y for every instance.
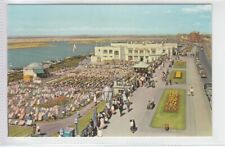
(45, 20)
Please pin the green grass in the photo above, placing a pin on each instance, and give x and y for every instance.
(67, 63)
(176, 120)
(19, 131)
(181, 80)
(179, 64)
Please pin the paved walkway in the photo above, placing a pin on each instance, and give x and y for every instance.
(52, 127)
(198, 113)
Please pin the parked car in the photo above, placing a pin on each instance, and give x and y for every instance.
(208, 91)
(199, 66)
(203, 73)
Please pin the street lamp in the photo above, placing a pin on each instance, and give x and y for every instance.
(107, 96)
(76, 121)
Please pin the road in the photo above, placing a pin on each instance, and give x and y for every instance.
(207, 65)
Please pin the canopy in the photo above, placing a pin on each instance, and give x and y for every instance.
(141, 65)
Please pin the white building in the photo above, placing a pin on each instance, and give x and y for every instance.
(146, 52)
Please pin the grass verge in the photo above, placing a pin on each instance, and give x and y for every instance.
(176, 120)
(19, 131)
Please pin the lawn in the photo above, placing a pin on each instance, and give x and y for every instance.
(176, 120)
(181, 80)
(179, 64)
(19, 131)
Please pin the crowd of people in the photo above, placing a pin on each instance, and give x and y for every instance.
(57, 98)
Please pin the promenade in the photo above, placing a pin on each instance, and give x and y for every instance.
(198, 112)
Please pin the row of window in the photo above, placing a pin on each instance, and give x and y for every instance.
(130, 51)
(110, 52)
(142, 51)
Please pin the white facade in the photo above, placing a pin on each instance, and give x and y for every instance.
(146, 52)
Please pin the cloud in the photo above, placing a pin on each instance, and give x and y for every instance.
(197, 9)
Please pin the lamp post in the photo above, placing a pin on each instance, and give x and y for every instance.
(76, 120)
(107, 96)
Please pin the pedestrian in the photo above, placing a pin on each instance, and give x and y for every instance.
(149, 105)
(99, 133)
(95, 99)
(34, 129)
(121, 109)
(128, 106)
(170, 82)
(191, 91)
(38, 130)
(166, 82)
(133, 125)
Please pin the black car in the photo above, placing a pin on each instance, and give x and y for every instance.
(208, 91)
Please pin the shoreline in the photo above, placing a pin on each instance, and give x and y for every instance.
(35, 42)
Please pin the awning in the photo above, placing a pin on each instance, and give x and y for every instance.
(141, 65)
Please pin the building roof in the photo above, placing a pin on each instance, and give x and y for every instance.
(39, 71)
(141, 65)
(34, 66)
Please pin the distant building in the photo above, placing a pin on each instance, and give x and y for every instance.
(33, 71)
(195, 37)
(146, 52)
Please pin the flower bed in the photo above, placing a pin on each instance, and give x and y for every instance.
(170, 110)
(180, 64)
(178, 75)
(172, 101)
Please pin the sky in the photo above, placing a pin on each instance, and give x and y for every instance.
(69, 20)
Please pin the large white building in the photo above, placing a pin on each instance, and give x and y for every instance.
(146, 52)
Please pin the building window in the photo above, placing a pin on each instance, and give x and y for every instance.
(136, 51)
(110, 51)
(130, 51)
(105, 52)
(99, 50)
(153, 50)
(130, 58)
(116, 53)
(141, 51)
(164, 50)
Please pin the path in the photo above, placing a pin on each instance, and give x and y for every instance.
(198, 113)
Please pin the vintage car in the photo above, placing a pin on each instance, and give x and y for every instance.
(203, 73)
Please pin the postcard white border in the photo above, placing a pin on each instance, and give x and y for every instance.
(218, 56)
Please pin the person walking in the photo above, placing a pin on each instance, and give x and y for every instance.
(128, 106)
(133, 125)
(191, 91)
(121, 109)
(95, 99)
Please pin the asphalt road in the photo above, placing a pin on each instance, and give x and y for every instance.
(207, 65)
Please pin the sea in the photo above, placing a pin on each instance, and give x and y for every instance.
(18, 58)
